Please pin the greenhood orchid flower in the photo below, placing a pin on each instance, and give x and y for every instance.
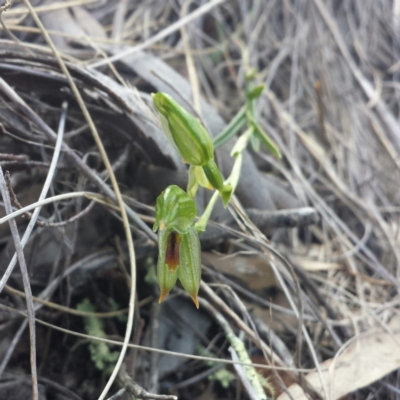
(192, 141)
(179, 254)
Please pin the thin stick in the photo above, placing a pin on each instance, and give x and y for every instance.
(14, 200)
(52, 7)
(242, 375)
(115, 186)
(160, 35)
(194, 80)
(138, 392)
(68, 310)
(151, 349)
(25, 280)
(42, 196)
(12, 345)
(216, 300)
(71, 154)
(369, 90)
(117, 395)
(49, 200)
(4, 8)
(248, 375)
(68, 221)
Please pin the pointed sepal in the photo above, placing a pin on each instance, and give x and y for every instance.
(189, 272)
(166, 276)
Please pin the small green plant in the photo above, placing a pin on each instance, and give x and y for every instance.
(179, 245)
(100, 354)
(223, 375)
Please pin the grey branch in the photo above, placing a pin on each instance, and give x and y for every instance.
(137, 391)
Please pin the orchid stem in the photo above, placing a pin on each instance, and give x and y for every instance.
(201, 224)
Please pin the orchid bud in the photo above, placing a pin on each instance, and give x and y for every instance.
(192, 142)
(175, 210)
(184, 131)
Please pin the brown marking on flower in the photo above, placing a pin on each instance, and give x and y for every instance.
(172, 251)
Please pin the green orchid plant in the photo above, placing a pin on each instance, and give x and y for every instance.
(179, 254)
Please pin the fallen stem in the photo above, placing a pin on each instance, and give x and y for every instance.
(26, 283)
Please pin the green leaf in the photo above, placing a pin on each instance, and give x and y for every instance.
(264, 138)
(232, 128)
(255, 92)
(242, 142)
(175, 210)
(255, 143)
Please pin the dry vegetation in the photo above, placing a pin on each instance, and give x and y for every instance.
(304, 266)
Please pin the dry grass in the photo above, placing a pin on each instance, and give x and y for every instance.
(331, 102)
